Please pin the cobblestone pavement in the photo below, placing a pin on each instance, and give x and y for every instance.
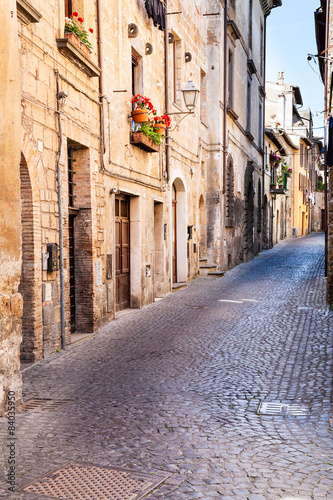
(175, 387)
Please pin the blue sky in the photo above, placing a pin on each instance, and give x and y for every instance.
(290, 38)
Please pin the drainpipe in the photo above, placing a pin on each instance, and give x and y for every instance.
(101, 86)
(224, 145)
(325, 138)
(61, 229)
(166, 88)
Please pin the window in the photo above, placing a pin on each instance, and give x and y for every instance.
(262, 55)
(250, 23)
(302, 154)
(230, 79)
(260, 131)
(174, 71)
(248, 105)
(68, 8)
(135, 64)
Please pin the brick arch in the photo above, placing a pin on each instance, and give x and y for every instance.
(30, 283)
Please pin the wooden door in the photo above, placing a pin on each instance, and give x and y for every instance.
(174, 241)
(122, 230)
(71, 259)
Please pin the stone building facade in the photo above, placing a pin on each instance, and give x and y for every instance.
(324, 33)
(295, 144)
(10, 209)
(107, 221)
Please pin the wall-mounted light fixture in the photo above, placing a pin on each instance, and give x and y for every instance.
(62, 98)
(190, 95)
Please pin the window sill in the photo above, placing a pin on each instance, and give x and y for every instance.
(249, 136)
(74, 54)
(27, 13)
(232, 114)
(141, 141)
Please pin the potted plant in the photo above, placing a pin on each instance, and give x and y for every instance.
(275, 160)
(149, 130)
(160, 123)
(279, 180)
(142, 107)
(77, 33)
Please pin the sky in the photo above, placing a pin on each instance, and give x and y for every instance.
(290, 38)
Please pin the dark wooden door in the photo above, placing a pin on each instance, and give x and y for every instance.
(71, 272)
(122, 224)
(174, 241)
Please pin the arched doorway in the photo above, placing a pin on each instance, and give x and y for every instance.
(30, 283)
(282, 222)
(249, 212)
(203, 229)
(265, 239)
(178, 229)
(277, 228)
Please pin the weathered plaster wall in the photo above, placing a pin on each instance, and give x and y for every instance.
(10, 209)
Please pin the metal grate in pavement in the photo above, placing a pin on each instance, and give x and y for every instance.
(45, 404)
(75, 481)
(282, 409)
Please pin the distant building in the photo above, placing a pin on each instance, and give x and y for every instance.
(296, 149)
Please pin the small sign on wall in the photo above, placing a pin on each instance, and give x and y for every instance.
(108, 266)
(98, 274)
(148, 271)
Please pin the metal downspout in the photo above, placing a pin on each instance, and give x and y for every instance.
(61, 229)
(101, 86)
(224, 145)
(166, 89)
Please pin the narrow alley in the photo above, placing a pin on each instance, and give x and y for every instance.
(176, 387)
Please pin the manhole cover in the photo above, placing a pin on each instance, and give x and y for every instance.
(91, 482)
(282, 409)
(45, 404)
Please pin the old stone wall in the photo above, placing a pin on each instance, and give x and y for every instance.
(10, 210)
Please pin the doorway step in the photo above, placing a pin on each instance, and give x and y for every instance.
(209, 270)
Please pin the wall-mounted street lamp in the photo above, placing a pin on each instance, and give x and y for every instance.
(190, 95)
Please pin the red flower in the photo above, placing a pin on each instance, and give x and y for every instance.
(80, 19)
(75, 14)
(71, 16)
(91, 30)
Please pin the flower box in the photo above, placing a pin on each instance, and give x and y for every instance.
(80, 45)
(140, 140)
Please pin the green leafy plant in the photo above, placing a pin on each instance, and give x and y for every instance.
(75, 26)
(279, 179)
(320, 185)
(147, 129)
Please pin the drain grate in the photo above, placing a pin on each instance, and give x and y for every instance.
(282, 409)
(91, 482)
(45, 404)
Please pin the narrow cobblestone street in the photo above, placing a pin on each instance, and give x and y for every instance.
(176, 387)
